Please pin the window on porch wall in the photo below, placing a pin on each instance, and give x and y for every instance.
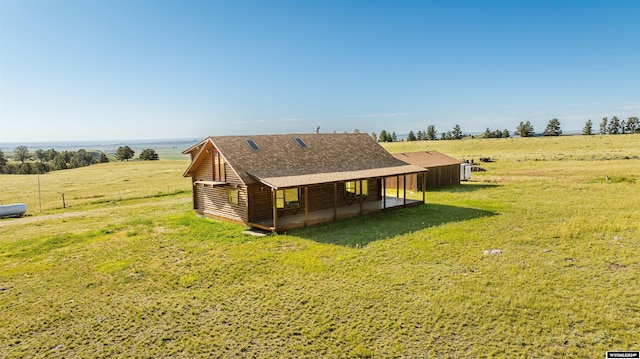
(288, 198)
(354, 189)
(218, 167)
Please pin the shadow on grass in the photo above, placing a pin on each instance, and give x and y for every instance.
(362, 230)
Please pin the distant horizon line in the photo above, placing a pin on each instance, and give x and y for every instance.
(110, 141)
(171, 140)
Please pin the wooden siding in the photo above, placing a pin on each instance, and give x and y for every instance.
(204, 172)
(320, 197)
(231, 176)
(413, 182)
(215, 201)
(443, 176)
(260, 204)
(436, 177)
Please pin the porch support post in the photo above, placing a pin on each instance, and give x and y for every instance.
(274, 208)
(424, 185)
(398, 186)
(360, 196)
(335, 201)
(384, 193)
(404, 190)
(306, 206)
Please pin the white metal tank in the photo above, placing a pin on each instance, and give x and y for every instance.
(465, 171)
(13, 210)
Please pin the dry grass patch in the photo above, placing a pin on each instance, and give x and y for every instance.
(101, 183)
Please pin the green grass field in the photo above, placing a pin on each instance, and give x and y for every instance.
(129, 271)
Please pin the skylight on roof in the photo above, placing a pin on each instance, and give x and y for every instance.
(300, 142)
(252, 145)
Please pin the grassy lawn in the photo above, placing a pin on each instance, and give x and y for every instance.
(106, 182)
(138, 275)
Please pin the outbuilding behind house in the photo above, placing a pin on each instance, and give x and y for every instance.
(443, 170)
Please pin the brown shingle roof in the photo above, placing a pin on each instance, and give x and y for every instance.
(427, 159)
(280, 162)
(327, 177)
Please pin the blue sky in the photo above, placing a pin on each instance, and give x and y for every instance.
(100, 70)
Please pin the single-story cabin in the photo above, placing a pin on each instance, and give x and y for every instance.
(279, 182)
(443, 171)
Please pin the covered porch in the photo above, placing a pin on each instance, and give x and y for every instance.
(302, 219)
(332, 201)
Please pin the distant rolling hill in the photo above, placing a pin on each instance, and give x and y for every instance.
(168, 149)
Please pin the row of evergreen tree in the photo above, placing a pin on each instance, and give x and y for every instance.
(614, 126)
(524, 129)
(43, 161)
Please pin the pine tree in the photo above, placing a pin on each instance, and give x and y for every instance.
(633, 125)
(51, 154)
(124, 153)
(587, 130)
(149, 155)
(41, 155)
(603, 126)
(553, 128)
(432, 133)
(59, 162)
(411, 136)
(614, 126)
(457, 132)
(81, 158)
(487, 133)
(3, 161)
(25, 169)
(103, 158)
(525, 129)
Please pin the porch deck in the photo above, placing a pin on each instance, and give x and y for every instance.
(287, 222)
